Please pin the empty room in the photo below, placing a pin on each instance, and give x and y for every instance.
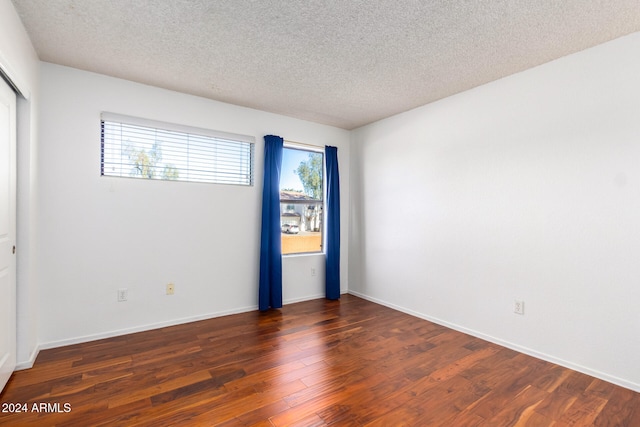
(355, 213)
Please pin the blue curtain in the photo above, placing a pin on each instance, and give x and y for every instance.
(270, 287)
(332, 283)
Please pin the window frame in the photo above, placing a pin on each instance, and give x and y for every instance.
(322, 201)
(244, 162)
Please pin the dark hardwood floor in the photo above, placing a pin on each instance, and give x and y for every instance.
(315, 363)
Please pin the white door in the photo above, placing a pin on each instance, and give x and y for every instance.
(7, 232)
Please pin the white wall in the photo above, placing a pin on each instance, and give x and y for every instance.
(526, 188)
(99, 234)
(19, 60)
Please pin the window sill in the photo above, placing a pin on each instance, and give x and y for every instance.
(304, 254)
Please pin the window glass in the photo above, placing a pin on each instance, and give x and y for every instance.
(157, 151)
(301, 201)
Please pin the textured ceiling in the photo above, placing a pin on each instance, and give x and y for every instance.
(344, 63)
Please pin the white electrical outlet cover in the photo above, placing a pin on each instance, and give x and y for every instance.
(518, 307)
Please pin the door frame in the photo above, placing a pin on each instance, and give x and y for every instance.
(8, 265)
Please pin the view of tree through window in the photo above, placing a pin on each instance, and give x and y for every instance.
(301, 201)
(148, 163)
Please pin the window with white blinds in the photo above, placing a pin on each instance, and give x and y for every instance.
(140, 148)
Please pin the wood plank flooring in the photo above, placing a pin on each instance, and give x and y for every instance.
(316, 363)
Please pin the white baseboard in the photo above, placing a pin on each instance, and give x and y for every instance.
(295, 300)
(147, 327)
(26, 364)
(142, 328)
(543, 356)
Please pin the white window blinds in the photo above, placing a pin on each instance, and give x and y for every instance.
(140, 148)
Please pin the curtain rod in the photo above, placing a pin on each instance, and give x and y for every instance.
(317, 147)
